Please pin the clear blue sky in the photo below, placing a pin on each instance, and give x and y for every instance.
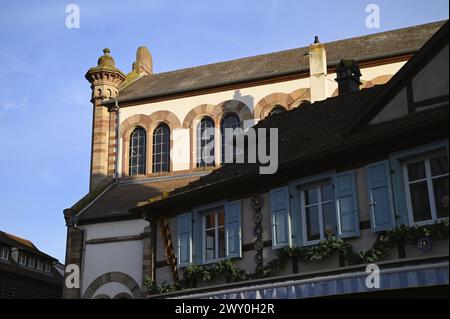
(45, 114)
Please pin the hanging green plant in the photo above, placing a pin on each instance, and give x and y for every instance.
(325, 249)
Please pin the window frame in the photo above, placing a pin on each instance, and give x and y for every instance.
(317, 186)
(40, 264)
(31, 262)
(199, 160)
(429, 181)
(143, 155)
(160, 155)
(4, 253)
(296, 215)
(222, 135)
(23, 259)
(213, 210)
(47, 267)
(397, 175)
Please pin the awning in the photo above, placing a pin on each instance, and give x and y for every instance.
(346, 283)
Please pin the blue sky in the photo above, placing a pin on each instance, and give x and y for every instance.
(45, 114)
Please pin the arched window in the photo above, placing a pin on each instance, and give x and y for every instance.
(137, 152)
(205, 142)
(161, 149)
(278, 109)
(230, 121)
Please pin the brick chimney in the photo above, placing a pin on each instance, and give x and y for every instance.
(348, 76)
(318, 71)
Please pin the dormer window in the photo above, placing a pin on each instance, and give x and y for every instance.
(47, 267)
(40, 265)
(4, 253)
(22, 259)
(31, 262)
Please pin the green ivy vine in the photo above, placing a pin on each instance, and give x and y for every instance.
(325, 249)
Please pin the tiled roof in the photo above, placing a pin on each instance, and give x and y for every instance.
(21, 243)
(364, 48)
(120, 197)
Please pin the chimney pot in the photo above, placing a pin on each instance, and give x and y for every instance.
(348, 76)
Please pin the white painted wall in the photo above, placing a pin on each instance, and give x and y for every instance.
(125, 257)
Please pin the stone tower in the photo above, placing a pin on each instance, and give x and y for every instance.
(105, 80)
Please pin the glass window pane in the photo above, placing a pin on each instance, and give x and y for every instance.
(281, 234)
(420, 201)
(137, 152)
(161, 148)
(205, 143)
(310, 196)
(230, 122)
(440, 188)
(210, 244)
(439, 165)
(222, 242)
(210, 221)
(327, 192)
(312, 223)
(329, 219)
(416, 171)
(221, 218)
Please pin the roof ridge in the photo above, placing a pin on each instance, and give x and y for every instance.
(288, 50)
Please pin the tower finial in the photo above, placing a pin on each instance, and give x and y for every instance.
(316, 39)
(106, 51)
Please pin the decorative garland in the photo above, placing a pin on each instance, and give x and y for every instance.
(168, 248)
(327, 248)
(258, 245)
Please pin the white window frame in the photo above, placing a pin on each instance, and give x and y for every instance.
(429, 179)
(40, 264)
(214, 211)
(22, 259)
(4, 253)
(320, 204)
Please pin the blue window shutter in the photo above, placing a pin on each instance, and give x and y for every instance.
(380, 196)
(233, 229)
(279, 203)
(346, 204)
(184, 228)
